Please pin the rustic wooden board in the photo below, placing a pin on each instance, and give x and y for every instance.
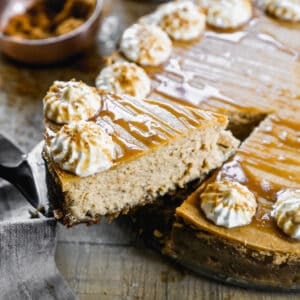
(105, 261)
(108, 262)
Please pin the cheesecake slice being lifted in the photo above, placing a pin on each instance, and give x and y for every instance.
(108, 153)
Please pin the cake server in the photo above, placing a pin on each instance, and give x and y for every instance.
(27, 172)
(27, 246)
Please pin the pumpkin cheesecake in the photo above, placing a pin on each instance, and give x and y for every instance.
(107, 153)
(243, 222)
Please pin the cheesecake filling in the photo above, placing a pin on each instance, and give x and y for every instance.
(147, 45)
(124, 78)
(183, 21)
(70, 101)
(228, 204)
(82, 148)
(286, 212)
(286, 10)
(227, 14)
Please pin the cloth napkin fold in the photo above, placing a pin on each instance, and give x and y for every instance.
(27, 248)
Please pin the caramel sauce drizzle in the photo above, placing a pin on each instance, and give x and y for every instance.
(256, 68)
(266, 168)
(212, 70)
(138, 125)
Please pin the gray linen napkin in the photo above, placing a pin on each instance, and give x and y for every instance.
(27, 248)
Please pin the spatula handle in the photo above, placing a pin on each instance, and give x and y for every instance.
(15, 169)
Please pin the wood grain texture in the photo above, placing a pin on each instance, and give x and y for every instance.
(98, 270)
(105, 261)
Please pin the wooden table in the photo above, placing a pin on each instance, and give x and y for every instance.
(106, 261)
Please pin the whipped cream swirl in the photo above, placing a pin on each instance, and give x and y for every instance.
(82, 148)
(182, 20)
(124, 78)
(147, 45)
(227, 14)
(286, 212)
(71, 101)
(287, 10)
(228, 204)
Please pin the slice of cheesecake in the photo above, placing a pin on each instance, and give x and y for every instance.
(124, 152)
(222, 238)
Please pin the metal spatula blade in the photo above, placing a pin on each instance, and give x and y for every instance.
(27, 172)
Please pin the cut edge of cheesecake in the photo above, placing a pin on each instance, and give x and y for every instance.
(142, 177)
(203, 253)
(258, 253)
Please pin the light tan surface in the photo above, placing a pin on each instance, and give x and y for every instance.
(102, 262)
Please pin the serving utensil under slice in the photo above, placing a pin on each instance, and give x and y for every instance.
(26, 172)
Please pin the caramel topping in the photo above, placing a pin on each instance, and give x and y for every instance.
(136, 125)
(219, 72)
(234, 73)
(265, 164)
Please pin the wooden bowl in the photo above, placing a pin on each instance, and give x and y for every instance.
(50, 50)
